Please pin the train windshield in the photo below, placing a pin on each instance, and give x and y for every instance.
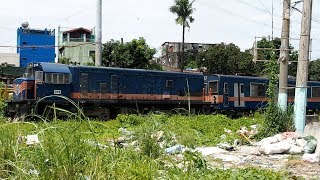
(29, 73)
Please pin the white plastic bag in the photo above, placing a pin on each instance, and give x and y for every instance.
(276, 148)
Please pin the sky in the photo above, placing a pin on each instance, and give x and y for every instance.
(216, 21)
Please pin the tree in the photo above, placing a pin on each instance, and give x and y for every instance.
(267, 54)
(134, 54)
(314, 70)
(227, 59)
(67, 61)
(183, 9)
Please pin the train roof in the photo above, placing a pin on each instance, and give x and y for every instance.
(54, 68)
(236, 76)
(136, 70)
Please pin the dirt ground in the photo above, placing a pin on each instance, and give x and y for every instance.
(245, 157)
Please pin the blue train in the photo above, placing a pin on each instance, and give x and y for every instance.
(104, 92)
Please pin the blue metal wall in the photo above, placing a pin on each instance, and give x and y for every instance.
(35, 45)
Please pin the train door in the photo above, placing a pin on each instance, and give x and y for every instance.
(225, 94)
(205, 92)
(39, 87)
(239, 95)
(103, 90)
(114, 87)
(84, 85)
(167, 90)
(151, 85)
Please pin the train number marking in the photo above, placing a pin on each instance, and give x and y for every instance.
(57, 92)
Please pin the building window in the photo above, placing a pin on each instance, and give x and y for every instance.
(315, 92)
(91, 53)
(257, 90)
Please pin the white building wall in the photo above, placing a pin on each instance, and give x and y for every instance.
(10, 58)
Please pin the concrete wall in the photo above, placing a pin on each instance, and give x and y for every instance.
(10, 58)
(79, 52)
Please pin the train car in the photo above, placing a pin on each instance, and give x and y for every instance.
(104, 91)
(235, 94)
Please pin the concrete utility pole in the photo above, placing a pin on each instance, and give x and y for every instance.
(98, 49)
(300, 100)
(284, 56)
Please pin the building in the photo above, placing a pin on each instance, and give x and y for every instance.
(171, 51)
(77, 45)
(35, 45)
(11, 59)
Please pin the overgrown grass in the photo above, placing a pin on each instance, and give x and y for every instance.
(80, 150)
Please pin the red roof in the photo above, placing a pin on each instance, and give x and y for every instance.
(78, 29)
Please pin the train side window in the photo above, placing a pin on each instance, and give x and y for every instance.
(315, 92)
(226, 88)
(66, 79)
(54, 78)
(103, 88)
(241, 88)
(39, 76)
(213, 86)
(291, 91)
(48, 78)
(169, 83)
(205, 88)
(60, 79)
(257, 90)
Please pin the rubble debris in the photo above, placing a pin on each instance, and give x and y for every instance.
(227, 131)
(175, 149)
(206, 151)
(295, 149)
(312, 158)
(32, 139)
(158, 136)
(311, 144)
(223, 136)
(275, 148)
(244, 130)
(225, 146)
(249, 150)
(125, 132)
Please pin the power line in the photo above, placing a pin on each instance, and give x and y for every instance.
(265, 7)
(45, 46)
(231, 13)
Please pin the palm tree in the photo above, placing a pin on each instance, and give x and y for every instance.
(183, 9)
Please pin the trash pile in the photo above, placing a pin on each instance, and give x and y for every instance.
(287, 143)
(291, 143)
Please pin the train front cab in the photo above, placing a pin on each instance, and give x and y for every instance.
(40, 80)
(235, 94)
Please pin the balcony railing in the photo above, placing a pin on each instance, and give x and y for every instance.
(78, 40)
